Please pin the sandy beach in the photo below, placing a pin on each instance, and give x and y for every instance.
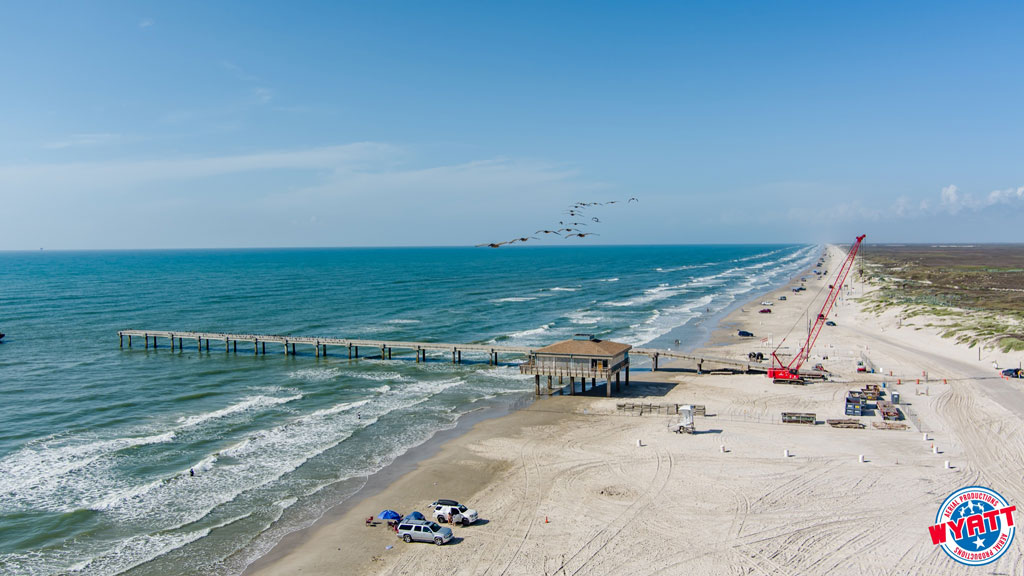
(573, 485)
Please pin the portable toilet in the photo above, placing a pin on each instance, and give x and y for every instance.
(686, 415)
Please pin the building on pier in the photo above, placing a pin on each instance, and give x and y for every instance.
(578, 359)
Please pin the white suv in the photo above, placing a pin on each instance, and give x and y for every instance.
(442, 509)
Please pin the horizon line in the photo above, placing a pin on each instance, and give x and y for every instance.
(397, 247)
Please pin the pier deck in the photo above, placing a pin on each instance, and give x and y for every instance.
(351, 345)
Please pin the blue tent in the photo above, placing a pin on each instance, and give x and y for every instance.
(415, 516)
(389, 515)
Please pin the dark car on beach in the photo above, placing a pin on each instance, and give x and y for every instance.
(765, 311)
(830, 323)
(1013, 373)
(745, 334)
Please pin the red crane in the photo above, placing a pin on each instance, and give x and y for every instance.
(791, 371)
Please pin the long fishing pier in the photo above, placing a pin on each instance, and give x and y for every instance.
(351, 347)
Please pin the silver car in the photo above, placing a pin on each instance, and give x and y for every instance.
(424, 531)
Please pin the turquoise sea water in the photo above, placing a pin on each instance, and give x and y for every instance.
(96, 443)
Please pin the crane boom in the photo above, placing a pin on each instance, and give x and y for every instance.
(780, 371)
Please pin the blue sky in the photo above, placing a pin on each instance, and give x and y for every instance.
(217, 124)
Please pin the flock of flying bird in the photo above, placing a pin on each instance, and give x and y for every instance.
(568, 229)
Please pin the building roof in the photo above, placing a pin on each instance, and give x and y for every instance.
(585, 348)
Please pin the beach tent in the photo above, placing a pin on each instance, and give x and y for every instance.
(389, 515)
(415, 516)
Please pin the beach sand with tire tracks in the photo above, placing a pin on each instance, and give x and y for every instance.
(563, 487)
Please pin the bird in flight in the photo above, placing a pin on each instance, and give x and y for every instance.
(577, 210)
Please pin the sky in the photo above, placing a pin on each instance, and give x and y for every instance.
(130, 125)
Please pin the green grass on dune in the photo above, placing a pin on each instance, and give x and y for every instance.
(976, 293)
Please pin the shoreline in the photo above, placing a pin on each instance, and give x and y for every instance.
(382, 479)
(419, 457)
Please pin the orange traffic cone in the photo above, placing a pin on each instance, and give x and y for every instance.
(545, 519)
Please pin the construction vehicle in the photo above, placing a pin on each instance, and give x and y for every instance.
(790, 373)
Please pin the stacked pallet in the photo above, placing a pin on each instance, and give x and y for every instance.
(799, 418)
(640, 409)
(844, 423)
(888, 410)
(870, 392)
(889, 425)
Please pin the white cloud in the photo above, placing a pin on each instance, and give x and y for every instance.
(359, 194)
(950, 199)
(80, 140)
(1006, 196)
(120, 174)
(146, 22)
(238, 72)
(263, 95)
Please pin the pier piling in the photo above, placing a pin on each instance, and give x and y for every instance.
(420, 348)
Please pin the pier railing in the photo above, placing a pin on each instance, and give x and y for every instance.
(201, 341)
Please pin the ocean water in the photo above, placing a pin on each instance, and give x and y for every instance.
(96, 443)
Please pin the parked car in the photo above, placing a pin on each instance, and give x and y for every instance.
(830, 323)
(767, 303)
(782, 297)
(745, 334)
(424, 531)
(441, 509)
(1013, 373)
(765, 311)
